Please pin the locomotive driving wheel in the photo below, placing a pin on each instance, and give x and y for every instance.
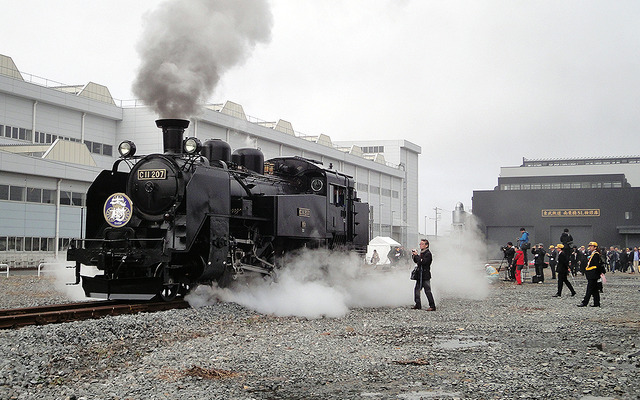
(170, 288)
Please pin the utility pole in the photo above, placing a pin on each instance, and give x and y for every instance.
(437, 210)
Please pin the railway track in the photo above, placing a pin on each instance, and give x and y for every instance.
(58, 313)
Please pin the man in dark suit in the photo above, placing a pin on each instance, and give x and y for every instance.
(423, 260)
(563, 270)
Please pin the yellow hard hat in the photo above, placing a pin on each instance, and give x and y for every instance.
(593, 244)
(560, 246)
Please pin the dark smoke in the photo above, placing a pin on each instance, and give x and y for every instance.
(187, 45)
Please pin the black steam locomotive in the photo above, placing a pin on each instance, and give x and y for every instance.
(198, 213)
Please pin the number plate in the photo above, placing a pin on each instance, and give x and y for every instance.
(148, 174)
(304, 212)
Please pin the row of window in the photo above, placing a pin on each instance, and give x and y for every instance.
(16, 243)
(564, 163)
(47, 138)
(14, 132)
(560, 185)
(373, 149)
(39, 195)
(99, 148)
(363, 187)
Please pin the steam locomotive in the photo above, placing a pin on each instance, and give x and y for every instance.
(198, 213)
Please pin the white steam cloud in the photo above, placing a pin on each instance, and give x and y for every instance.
(320, 283)
(187, 45)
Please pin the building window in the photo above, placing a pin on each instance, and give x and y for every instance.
(34, 195)
(16, 193)
(48, 196)
(65, 198)
(77, 199)
(3, 243)
(4, 192)
(107, 150)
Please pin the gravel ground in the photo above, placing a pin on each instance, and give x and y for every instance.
(517, 343)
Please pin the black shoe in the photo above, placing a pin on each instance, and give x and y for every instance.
(573, 294)
(582, 305)
(416, 307)
(431, 309)
(556, 295)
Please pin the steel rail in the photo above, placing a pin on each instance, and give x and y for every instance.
(59, 313)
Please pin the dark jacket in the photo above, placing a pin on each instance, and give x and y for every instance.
(566, 239)
(423, 260)
(538, 254)
(553, 257)
(594, 266)
(509, 253)
(563, 262)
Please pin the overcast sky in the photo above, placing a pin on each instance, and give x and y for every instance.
(477, 84)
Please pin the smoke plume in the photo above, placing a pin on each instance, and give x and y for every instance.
(187, 45)
(321, 283)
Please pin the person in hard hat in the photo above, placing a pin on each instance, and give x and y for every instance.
(552, 255)
(563, 270)
(593, 269)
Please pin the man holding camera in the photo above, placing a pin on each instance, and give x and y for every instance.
(509, 253)
(538, 261)
(423, 260)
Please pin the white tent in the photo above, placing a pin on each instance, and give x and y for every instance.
(382, 244)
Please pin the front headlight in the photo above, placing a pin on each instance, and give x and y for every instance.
(127, 148)
(192, 145)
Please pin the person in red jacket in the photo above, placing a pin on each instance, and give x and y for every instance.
(518, 261)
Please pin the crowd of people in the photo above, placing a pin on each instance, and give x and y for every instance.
(565, 258)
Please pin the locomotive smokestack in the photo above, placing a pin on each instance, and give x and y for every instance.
(172, 131)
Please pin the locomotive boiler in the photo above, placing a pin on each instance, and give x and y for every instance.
(198, 213)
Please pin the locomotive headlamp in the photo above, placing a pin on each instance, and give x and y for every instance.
(127, 148)
(192, 145)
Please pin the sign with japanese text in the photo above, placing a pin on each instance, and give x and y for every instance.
(572, 212)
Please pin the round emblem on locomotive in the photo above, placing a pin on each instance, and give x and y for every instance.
(118, 209)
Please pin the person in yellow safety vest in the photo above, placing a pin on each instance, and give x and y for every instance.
(593, 270)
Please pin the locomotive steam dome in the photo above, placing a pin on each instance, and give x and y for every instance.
(251, 159)
(216, 150)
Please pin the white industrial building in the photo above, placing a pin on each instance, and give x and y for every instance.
(54, 140)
